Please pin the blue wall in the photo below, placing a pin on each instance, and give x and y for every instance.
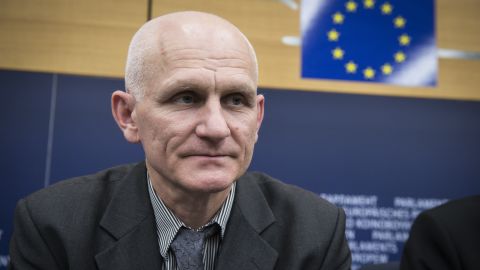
(390, 150)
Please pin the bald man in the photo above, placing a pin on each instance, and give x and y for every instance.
(191, 102)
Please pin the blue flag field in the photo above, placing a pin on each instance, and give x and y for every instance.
(390, 42)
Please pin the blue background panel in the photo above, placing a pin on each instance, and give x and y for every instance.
(24, 116)
(327, 143)
(86, 137)
(362, 144)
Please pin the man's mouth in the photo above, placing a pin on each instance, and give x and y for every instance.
(209, 154)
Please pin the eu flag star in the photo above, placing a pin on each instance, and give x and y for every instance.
(351, 6)
(351, 67)
(399, 22)
(338, 18)
(387, 69)
(386, 8)
(333, 35)
(400, 57)
(369, 4)
(369, 73)
(338, 53)
(404, 40)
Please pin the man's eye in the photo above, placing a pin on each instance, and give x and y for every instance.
(235, 100)
(185, 99)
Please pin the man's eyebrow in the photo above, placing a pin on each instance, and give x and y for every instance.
(179, 86)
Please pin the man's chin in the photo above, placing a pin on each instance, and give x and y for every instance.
(211, 182)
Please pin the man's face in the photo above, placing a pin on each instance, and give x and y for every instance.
(198, 120)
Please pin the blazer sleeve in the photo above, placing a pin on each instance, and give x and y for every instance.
(338, 256)
(28, 248)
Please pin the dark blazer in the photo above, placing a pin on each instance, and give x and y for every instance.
(446, 237)
(105, 221)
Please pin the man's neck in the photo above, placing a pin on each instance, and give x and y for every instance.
(195, 209)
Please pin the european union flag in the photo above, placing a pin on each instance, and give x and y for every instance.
(389, 41)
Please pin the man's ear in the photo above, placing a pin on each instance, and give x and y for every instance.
(260, 112)
(123, 105)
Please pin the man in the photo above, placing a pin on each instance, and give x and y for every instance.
(191, 102)
(446, 237)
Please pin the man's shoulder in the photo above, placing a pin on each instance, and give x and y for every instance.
(294, 217)
(290, 197)
(76, 185)
(78, 193)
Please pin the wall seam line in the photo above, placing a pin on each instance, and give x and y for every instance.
(51, 129)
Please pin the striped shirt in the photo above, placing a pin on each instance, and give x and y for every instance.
(168, 225)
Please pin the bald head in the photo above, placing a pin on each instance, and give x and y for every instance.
(151, 49)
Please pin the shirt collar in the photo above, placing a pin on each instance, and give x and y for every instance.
(168, 224)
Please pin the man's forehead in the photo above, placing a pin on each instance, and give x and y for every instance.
(204, 36)
(188, 56)
(208, 81)
(220, 52)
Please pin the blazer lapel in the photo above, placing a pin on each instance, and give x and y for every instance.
(243, 247)
(131, 238)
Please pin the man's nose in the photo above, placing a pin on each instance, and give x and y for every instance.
(213, 125)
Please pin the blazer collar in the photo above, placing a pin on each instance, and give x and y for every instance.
(130, 226)
(243, 247)
(129, 220)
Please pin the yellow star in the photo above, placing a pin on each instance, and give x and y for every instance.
(333, 35)
(338, 18)
(399, 22)
(404, 40)
(399, 57)
(351, 6)
(351, 67)
(387, 8)
(369, 4)
(387, 69)
(338, 53)
(369, 73)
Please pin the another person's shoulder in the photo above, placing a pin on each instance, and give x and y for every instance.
(445, 237)
(454, 211)
(466, 203)
(459, 217)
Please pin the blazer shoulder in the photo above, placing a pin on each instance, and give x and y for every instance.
(77, 184)
(301, 219)
(75, 195)
(291, 199)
